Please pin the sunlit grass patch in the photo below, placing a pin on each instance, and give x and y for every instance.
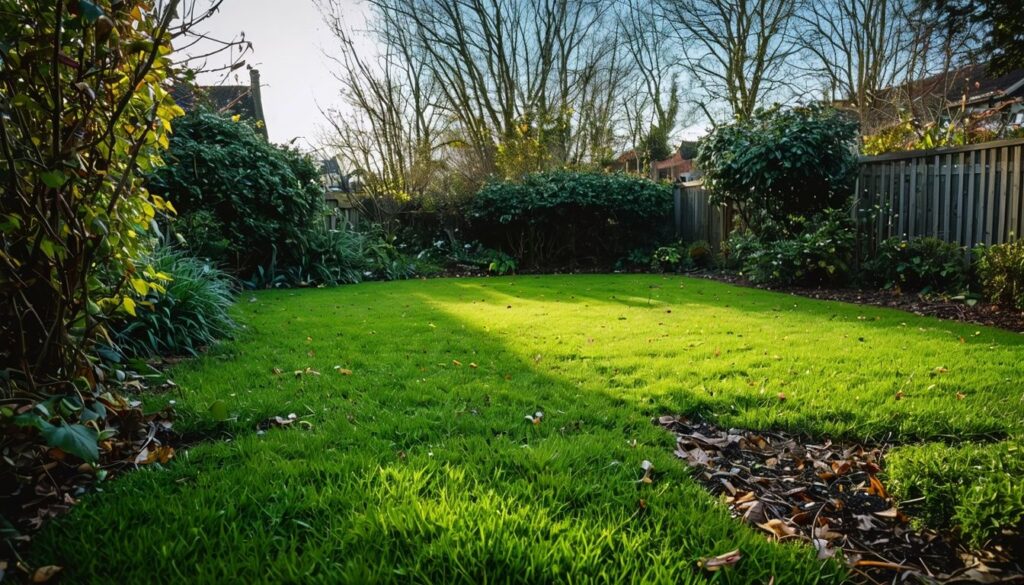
(419, 465)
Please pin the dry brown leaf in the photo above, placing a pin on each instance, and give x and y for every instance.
(778, 527)
(723, 560)
(890, 513)
(44, 574)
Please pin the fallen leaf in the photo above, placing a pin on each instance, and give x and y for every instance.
(960, 396)
(890, 513)
(473, 365)
(343, 371)
(44, 574)
(781, 396)
(778, 527)
(456, 363)
(723, 560)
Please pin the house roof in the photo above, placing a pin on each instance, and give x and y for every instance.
(972, 83)
(676, 161)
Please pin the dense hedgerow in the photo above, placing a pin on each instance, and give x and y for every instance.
(563, 218)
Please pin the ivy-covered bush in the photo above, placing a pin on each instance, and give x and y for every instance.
(239, 198)
(564, 219)
(922, 264)
(781, 164)
(186, 312)
(821, 254)
(1001, 274)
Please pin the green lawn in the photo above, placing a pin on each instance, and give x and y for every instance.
(418, 469)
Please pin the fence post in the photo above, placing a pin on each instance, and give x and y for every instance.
(677, 196)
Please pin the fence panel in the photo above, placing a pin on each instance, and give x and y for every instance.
(969, 195)
(697, 219)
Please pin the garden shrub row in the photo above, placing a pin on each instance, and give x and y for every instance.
(566, 219)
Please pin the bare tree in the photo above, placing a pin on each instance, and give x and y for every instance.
(652, 102)
(858, 48)
(738, 52)
(393, 138)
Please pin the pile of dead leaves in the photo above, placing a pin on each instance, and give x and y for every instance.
(39, 481)
(828, 495)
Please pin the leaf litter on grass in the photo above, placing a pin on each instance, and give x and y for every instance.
(829, 496)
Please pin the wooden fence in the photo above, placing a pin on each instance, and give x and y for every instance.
(968, 195)
(696, 219)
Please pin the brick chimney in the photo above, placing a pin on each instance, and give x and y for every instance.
(257, 99)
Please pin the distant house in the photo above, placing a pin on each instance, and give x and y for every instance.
(627, 162)
(245, 101)
(972, 89)
(674, 168)
(340, 194)
(679, 167)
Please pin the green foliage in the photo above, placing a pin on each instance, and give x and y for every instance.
(181, 316)
(922, 264)
(965, 128)
(563, 218)
(973, 488)
(820, 255)
(701, 254)
(239, 197)
(666, 259)
(84, 111)
(780, 164)
(1001, 273)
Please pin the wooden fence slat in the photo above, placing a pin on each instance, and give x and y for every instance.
(1016, 195)
(960, 201)
(1004, 197)
(936, 203)
(911, 214)
(969, 216)
(990, 198)
(947, 206)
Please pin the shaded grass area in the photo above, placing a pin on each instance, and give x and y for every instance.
(418, 469)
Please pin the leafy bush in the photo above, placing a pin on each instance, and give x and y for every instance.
(973, 488)
(781, 164)
(563, 218)
(701, 254)
(740, 246)
(666, 259)
(85, 111)
(820, 255)
(454, 255)
(926, 264)
(333, 257)
(239, 197)
(190, 312)
(1001, 273)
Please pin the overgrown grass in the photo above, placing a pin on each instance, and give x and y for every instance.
(977, 490)
(420, 466)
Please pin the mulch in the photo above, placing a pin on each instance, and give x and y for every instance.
(39, 483)
(828, 495)
(918, 304)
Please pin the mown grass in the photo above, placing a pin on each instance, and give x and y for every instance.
(418, 469)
